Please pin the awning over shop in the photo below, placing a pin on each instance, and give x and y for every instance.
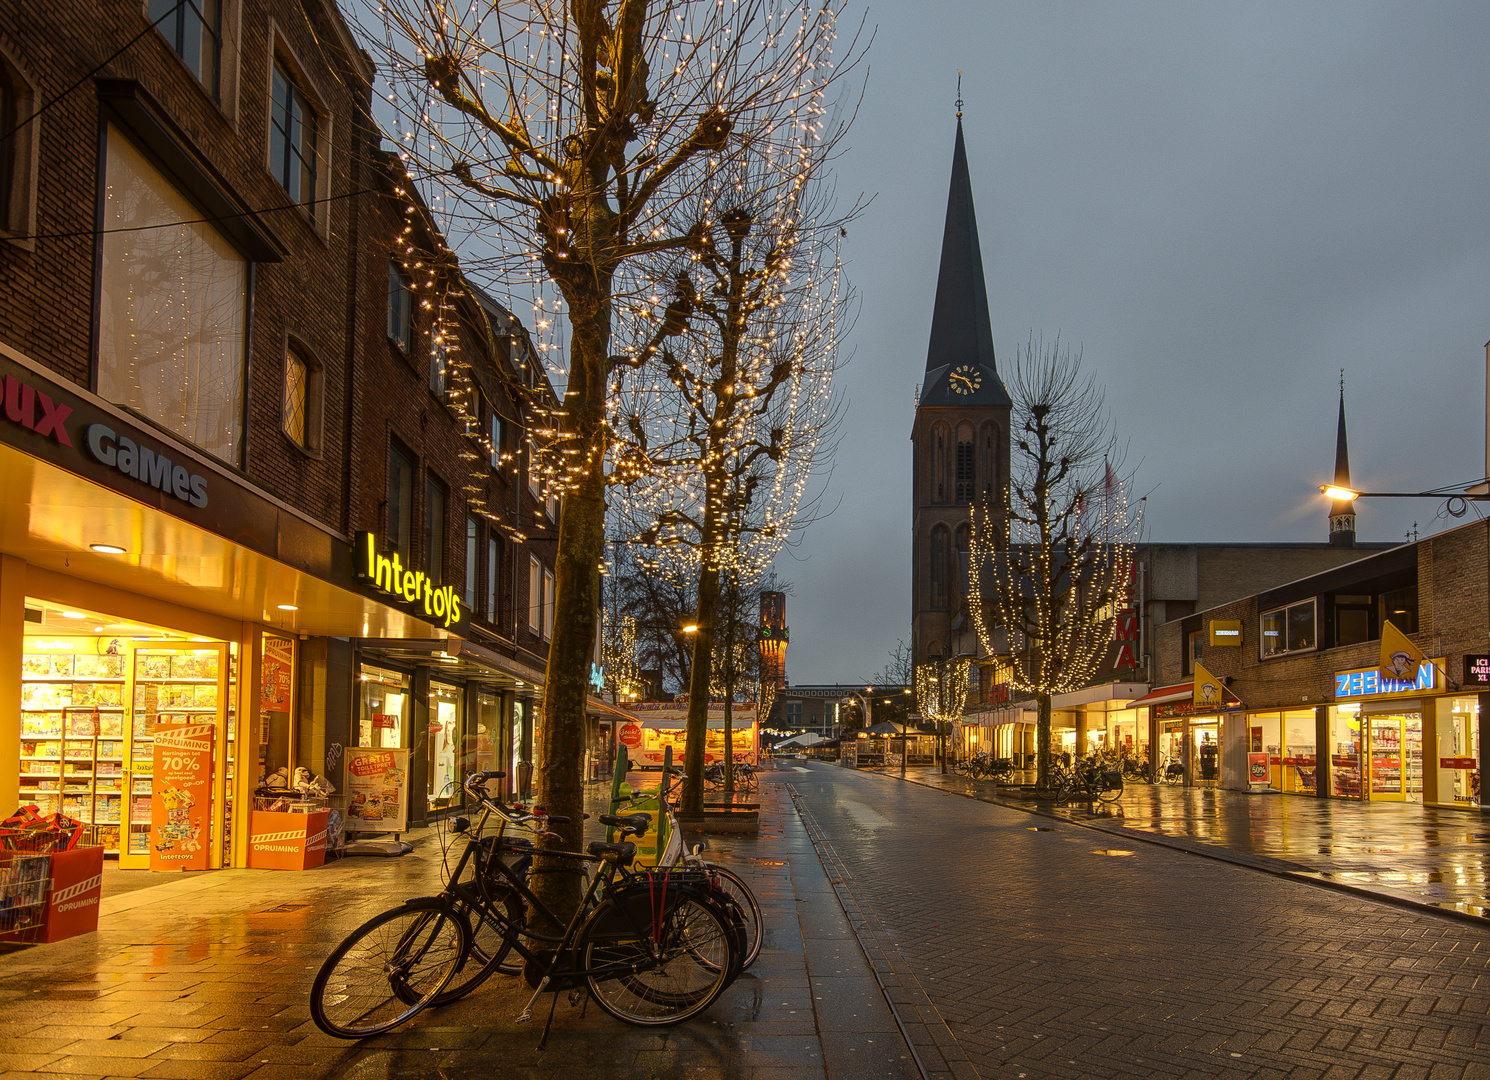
(1166, 695)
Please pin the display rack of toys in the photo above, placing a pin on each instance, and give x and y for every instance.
(72, 749)
(49, 886)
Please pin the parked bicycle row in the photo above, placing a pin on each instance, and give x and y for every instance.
(651, 946)
(1131, 769)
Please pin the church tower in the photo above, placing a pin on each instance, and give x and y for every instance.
(1342, 513)
(961, 433)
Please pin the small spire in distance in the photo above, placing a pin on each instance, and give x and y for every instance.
(959, 93)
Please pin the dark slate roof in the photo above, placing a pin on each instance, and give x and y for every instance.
(961, 332)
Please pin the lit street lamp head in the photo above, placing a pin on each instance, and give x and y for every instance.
(1339, 494)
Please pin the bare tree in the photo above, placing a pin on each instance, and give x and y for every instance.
(1047, 571)
(941, 694)
(569, 136)
(732, 416)
(898, 670)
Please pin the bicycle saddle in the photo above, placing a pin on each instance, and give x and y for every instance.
(624, 852)
(632, 823)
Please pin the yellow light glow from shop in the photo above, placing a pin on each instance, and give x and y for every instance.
(287, 607)
(107, 549)
(73, 615)
(1339, 494)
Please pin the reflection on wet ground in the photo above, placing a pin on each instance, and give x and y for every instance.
(1401, 850)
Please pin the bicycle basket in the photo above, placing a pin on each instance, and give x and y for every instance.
(1112, 779)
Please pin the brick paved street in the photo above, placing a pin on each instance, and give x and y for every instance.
(1405, 851)
(1045, 954)
(206, 978)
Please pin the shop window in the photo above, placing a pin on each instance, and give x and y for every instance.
(400, 309)
(434, 529)
(1299, 771)
(1288, 629)
(493, 575)
(194, 30)
(17, 152)
(535, 595)
(446, 726)
(400, 501)
(293, 125)
(173, 308)
(495, 438)
(472, 564)
(385, 707)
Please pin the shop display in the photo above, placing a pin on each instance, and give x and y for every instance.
(173, 689)
(72, 715)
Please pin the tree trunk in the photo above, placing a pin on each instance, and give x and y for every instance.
(698, 686)
(560, 751)
(1042, 741)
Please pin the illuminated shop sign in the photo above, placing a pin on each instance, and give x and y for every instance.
(149, 467)
(1370, 682)
(1226, 632)
(29, 407)
(1476, 669)
(386, 575)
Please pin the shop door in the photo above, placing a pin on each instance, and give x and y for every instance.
(1394, 757)
(1207, 768)
(177, 686)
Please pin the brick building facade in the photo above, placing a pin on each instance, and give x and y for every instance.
(197, 237)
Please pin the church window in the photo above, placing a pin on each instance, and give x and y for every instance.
(941, 560)
(965, 472)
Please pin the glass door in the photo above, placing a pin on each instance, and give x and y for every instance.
(446, 720)
(1394, 756)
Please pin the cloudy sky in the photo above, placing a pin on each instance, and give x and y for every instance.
(1223, 205)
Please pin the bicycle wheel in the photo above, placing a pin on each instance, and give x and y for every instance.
(388, 969)
(1109, 794)
(689, 969)
(741, 894)
(492, 933)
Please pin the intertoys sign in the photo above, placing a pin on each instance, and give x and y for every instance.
(387, 578)
(181, 804)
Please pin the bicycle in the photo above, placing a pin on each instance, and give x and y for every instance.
(675, 854)
(651, 948)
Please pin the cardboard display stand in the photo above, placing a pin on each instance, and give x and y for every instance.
(77, 888)
(279, 841)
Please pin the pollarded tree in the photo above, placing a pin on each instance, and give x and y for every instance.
(1047, 570)
(722, 429)
(568, 137)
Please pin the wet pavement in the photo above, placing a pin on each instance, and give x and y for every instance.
(1045, 949)
(207, 978)
(1403, 852)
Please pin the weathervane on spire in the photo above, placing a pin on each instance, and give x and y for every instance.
(959, 93)
(1342, 380)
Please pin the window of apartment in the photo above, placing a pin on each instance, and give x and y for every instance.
(400, 308)
(548, 605)
(400, 502)
(1353, 618)
(1194, 642)
(434, 529)
(535, 594)
(1288, 629)
(194, 30)
(793, 714)
(495, 434)
(292, 140)
(439, 370)
(472, 565)
(302, 404)
(1401, 607)
(17, 151)
(173, 304)
(493, 575)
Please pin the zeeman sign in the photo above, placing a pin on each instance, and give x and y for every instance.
(387, 575)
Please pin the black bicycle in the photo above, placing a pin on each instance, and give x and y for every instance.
(651, 947)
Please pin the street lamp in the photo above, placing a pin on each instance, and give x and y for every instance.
(1457, 496)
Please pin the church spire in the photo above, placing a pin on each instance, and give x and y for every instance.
(961, 331)
(1342, 513)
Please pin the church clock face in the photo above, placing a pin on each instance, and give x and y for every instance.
(965, 379)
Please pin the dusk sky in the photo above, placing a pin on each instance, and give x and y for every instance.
(1222, 205)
